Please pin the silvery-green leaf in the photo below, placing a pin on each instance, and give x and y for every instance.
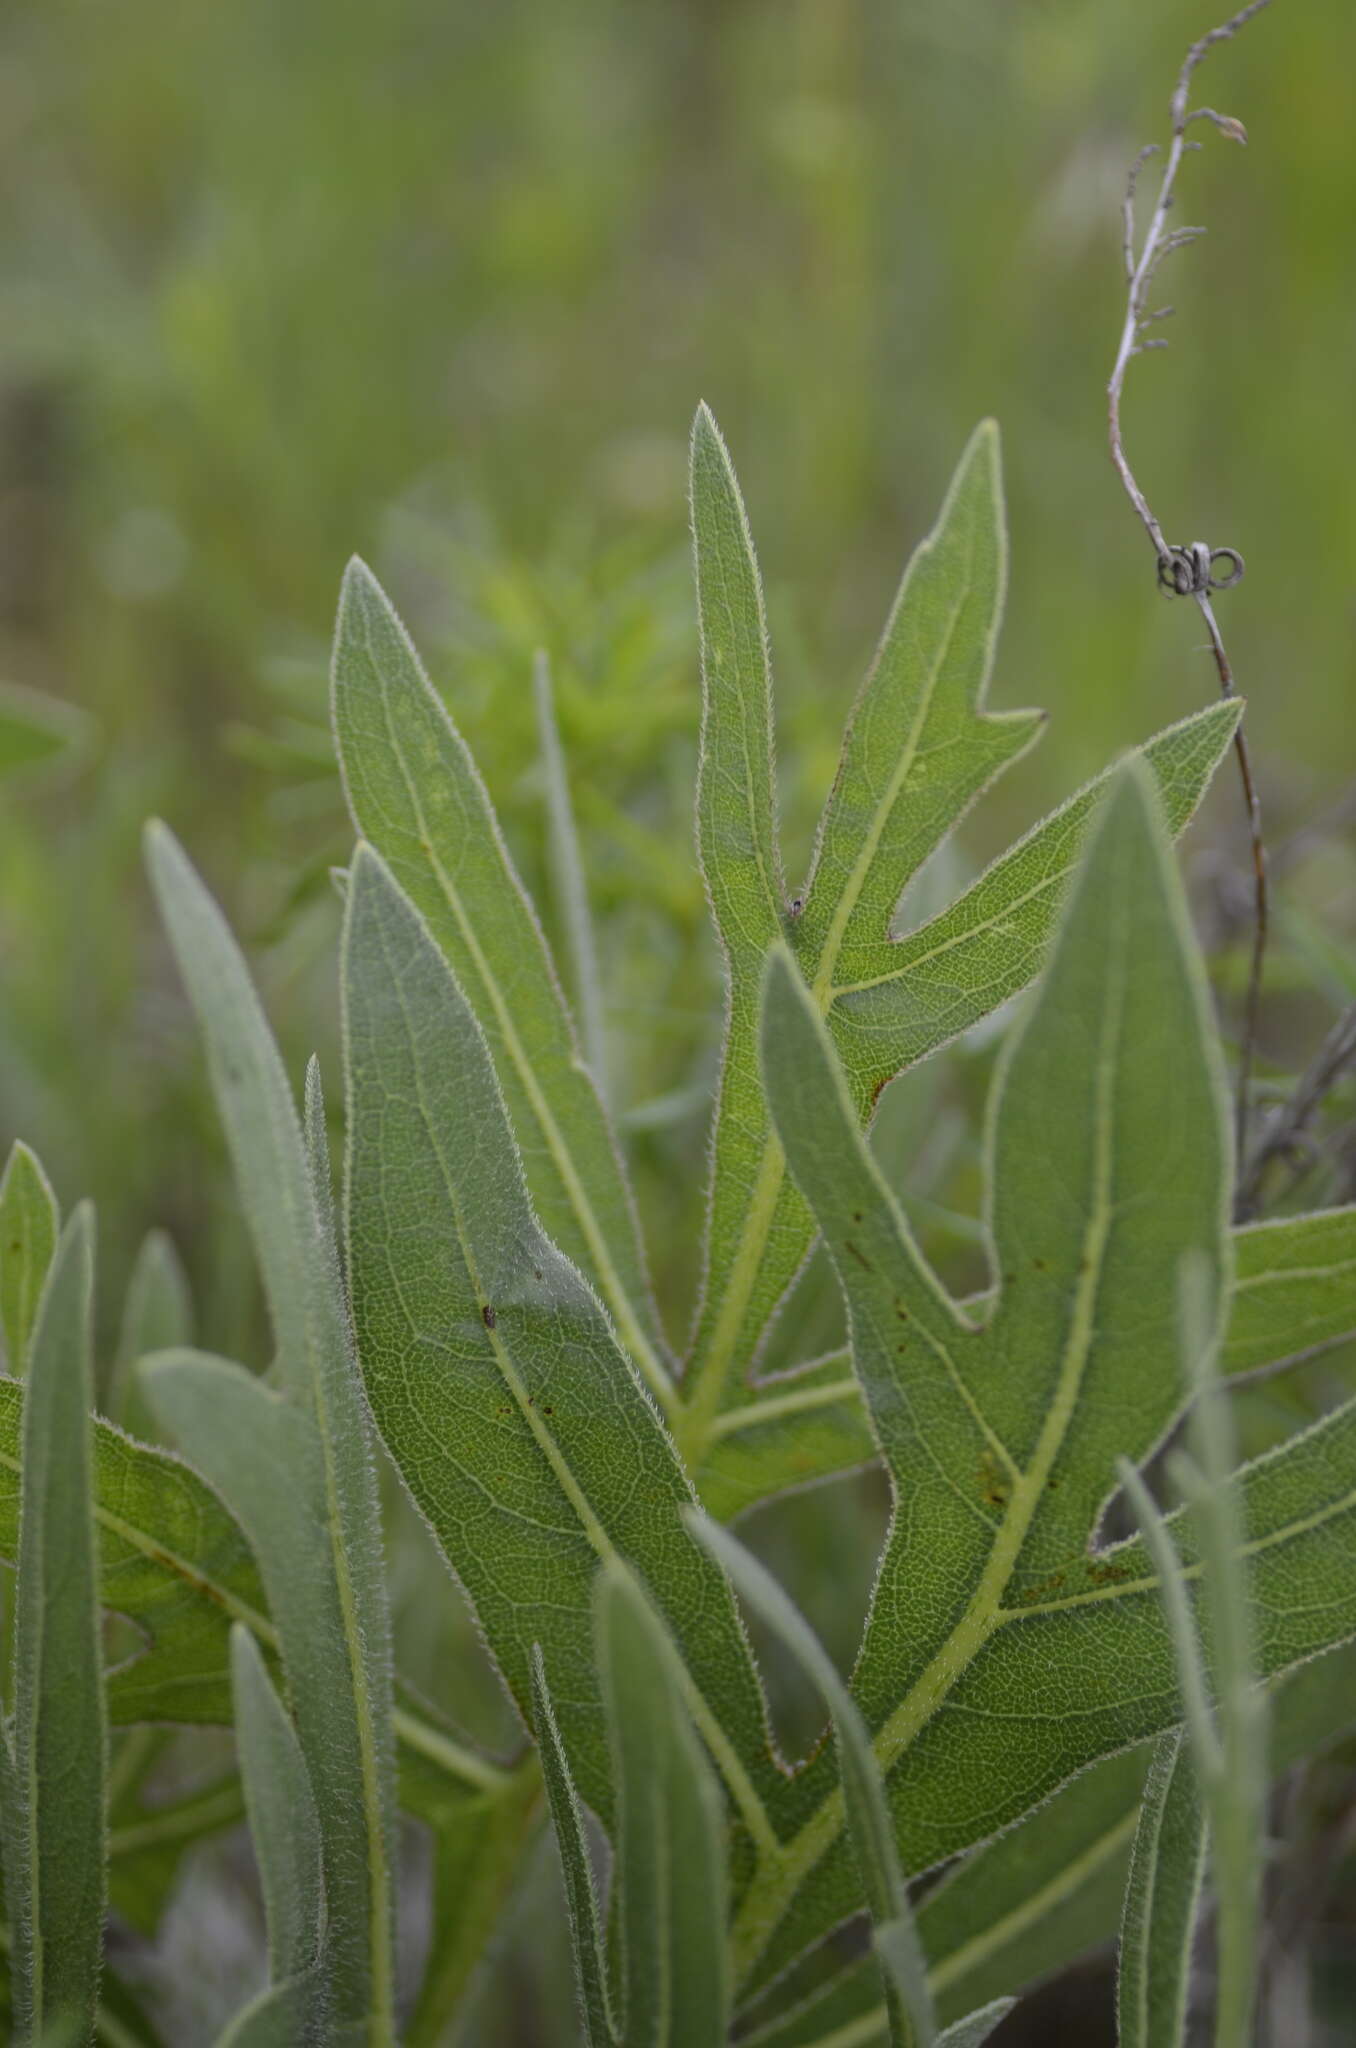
(920, 749)
(516, 1420)
(983, 1632)
(671, 1890)
(1166, 1862)
(29, 1222)
(53, 1806)
(416, 795)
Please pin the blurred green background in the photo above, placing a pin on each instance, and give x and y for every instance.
(442, 283)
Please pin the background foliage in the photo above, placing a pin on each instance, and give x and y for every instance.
(443, 284)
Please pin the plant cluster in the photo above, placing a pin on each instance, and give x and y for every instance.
(1036, 1707)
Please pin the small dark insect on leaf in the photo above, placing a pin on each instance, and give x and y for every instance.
(488, 1316)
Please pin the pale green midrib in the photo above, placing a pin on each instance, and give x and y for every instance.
(741, 1786)
(1149, 1884)
(850, 899)
(1275, 1276)
(777, 1407)
(381, 1933)
(656, 1378)
(894, 972)
(766, 1904)
(707, 1380)
(1035, 1905)
(1257, 1546)
(771, 888)
(417, 1734)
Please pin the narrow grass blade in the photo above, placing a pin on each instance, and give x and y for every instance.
(912, 2017)
(1161, 1899)
(671, 1884)
(55, 1851)
(416, 794)
(580, 1897)
(29, 1222)
(567, 875)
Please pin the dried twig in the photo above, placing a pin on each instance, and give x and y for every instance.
(1193, 571)
(1286, 1135)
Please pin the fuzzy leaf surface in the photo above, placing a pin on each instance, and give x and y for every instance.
(919, 750)
(54, 1841)
(284, 1825)
(1167, 1861)
(1293, 1296)
(321, 1493)
(517, 1422)
(671, 1885)
(1002, 1654)
(29, 1222)
(581, 1898)
(415, 793)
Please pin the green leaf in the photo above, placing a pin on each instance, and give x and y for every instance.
(912, 2018)
(37, 730)
(1108, 1163)
(29, 1221)
(567, 875)
(285, 1831)
(671, 1885)
(1293, 1297)
(157, 1315)
(517, 1423)
(920, 749)
(284, 1825)
(1228, 1743)
(1031, 1901)
(416, 794)
(55, 1852)
(581, 1899)
(267, 1456)
(1294, 1290)
(314, 1484)
(1161, 1897)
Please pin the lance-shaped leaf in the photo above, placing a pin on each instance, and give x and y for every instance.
(1031, 1901)
(1228, 1743)
(1294, 1290)
(285, 1831)
(416, 794)
(671, 1885)
(567, 875)
(157, 1315)
(516, 1421)
(581, 1900)
(920, 749)
(53, 1806)
(29, 1221)
(1293, 1297)
(1002, 1653)
(320, 1489)
(1161, 1897)
(908, 1998)
(267, 1456)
